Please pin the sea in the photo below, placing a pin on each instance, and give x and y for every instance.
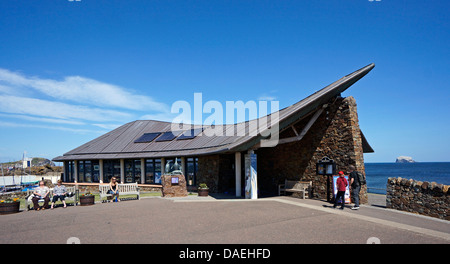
(378, 173)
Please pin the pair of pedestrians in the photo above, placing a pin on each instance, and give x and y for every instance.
(342, 183)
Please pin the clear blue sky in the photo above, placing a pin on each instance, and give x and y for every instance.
(71, 71)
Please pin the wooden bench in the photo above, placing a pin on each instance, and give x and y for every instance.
(295, 186)
(124, 189)
(70, 189)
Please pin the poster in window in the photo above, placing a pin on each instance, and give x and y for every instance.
(158, 177)
(251, 176)
(329, 169)
(321, 169)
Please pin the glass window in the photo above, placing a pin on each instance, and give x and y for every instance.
(149, 171)
(129, 171)
(192, 168)
(158, 171)
(116, 169)
(153, 171)
(95, 171)
(68, 173)
(72, 171)
(137, 171)
(80, 171)
(111, 168)
(107, 170)
(87, 171)
(132, 171)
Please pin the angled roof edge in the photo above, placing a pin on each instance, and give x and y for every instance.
(298, 110)
(287, 116)
(365, 144)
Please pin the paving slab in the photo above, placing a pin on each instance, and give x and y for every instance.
(192, 220)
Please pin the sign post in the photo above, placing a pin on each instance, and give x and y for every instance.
(326, 166)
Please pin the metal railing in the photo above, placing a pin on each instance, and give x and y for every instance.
(372, 189)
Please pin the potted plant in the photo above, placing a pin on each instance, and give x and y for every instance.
(203, 189)
(9, 206)
(87, 199)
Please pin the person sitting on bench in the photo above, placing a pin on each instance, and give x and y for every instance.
(59, 192)
(41, 192)
(114, 189)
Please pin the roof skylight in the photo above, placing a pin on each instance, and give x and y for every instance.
(167, 136)
(147, 137)
(191, 133)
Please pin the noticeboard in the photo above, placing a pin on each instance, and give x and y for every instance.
(326, 166)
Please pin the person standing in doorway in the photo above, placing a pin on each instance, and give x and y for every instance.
(341, 184)
(356, 186)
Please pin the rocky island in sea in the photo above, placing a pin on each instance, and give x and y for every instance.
(404, 159)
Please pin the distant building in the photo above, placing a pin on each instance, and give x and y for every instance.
(323, 124)
(26, 162)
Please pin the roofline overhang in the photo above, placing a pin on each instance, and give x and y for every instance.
(287, 116)
(313, 102)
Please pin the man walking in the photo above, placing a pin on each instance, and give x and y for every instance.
(356, 186)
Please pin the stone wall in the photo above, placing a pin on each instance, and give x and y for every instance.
(208, 172)
(217, 171)
(173, 190)
(424, 198)
(335, 134)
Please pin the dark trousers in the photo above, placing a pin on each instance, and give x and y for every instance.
(340, 195)
(56, 197)
(355, 195)
(36, 202)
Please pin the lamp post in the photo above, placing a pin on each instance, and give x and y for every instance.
(327, 167)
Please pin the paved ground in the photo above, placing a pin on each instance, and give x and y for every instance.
(208, 220)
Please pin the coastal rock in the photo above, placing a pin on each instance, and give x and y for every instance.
(404, 159)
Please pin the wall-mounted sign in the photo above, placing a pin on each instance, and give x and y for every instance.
(175, 180)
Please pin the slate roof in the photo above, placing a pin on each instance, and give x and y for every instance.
(120, 143)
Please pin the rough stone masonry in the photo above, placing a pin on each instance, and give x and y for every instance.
(431, 199)
(335, 134)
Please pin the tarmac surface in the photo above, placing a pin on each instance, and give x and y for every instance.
(208, 220)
